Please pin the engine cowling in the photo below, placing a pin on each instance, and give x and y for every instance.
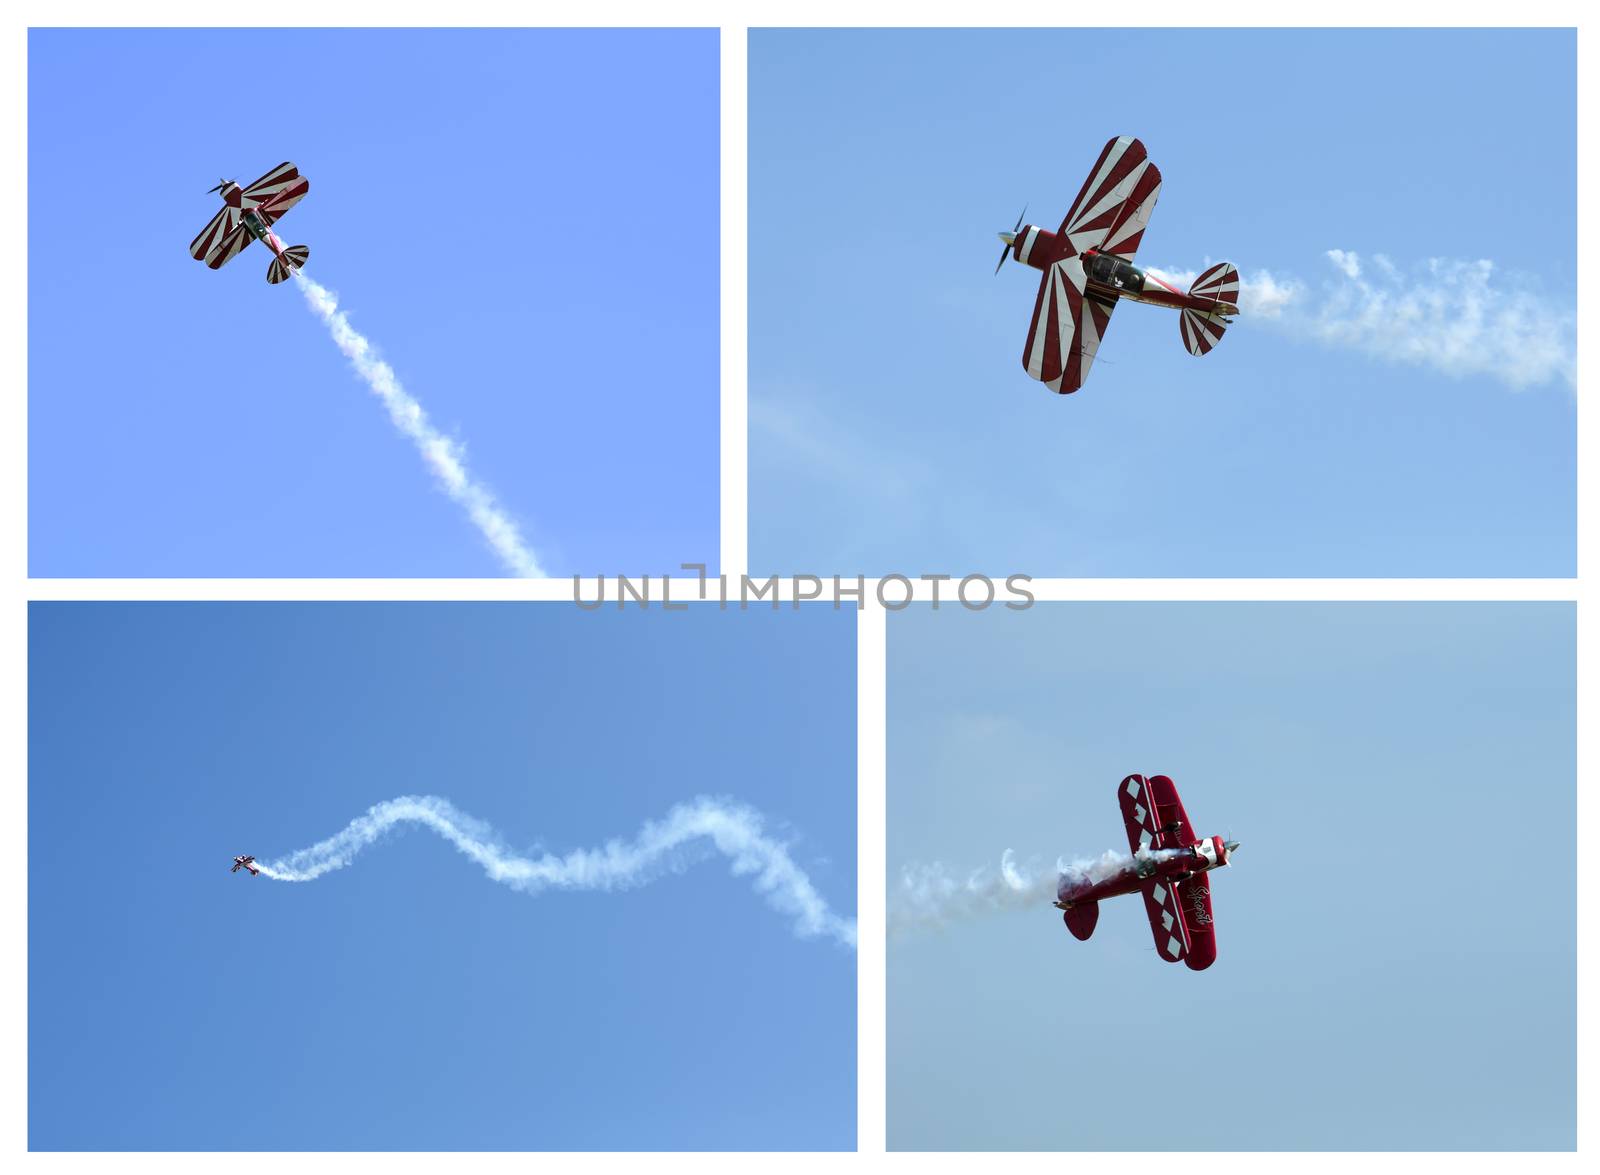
(1034, 246)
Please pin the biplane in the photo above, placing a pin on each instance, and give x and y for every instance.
(248, 214)
(1169, 867)
(1088, 268)
(245, 863)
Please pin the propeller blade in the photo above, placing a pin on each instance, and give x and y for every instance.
(1020, 215)
(1004, 253)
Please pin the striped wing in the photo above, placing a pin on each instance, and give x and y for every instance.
(223, 223)
(271, 210)
(1067, 327)
(1194, 901)
(1166, 919)
(275, 183)
(1116, 201)
(229, 247)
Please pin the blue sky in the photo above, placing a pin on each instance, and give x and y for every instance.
(1396, 937)
(893, 428)
(525, 222)
(407, 1002)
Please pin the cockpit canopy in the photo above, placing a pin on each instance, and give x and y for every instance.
(1115, 272)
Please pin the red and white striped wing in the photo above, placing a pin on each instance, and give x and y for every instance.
(1194, 900)
(1166, 919)
(1066, 330)
(1116, 201)
(229, 247)
(272, 210)
(223, 223)
(273, 184)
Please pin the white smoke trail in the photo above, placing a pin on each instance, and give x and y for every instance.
(1450, 315)
(689, 831)
(928, 896)
(444, 456)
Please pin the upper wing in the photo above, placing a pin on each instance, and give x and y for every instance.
(273, 208)
(1166, 919)
(274, 183)
(1194, 902)
(1172, 822)
(1116, 201)
(229, 247)
(223, 223)
(1067, 327)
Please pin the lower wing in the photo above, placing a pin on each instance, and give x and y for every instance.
(229, 247)
(223, 223)
(1166, 919)
(1068, 324)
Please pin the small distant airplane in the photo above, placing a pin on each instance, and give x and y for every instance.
(244, 863)
(1169, 867)
(1088, 266)
(248, 214)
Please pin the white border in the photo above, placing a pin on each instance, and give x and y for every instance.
(734, 20)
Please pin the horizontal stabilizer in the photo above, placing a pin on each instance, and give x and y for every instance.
(1081, 919)
(292, 259)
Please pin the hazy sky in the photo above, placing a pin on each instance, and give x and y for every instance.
(407, 1002)
(892, 425)
(1396, 961)
(526, 223)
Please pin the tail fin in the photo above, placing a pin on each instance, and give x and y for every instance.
(1202, 331)
(1080, 919)
(293, 258)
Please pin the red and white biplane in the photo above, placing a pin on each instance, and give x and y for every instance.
(245, 863)
(1169, 868)
(1088, 267)
(248, 214)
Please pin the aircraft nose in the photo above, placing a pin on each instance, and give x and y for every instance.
(1233, 847)
(1008, 238)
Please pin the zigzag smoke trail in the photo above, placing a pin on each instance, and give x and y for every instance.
(689, 832)
(444, 456)
(929, 897)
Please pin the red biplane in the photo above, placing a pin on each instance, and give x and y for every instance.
(1169, 867)
(248, 214)
(244, 863)
(1088, 267)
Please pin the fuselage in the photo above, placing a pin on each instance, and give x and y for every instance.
(233, 196)
(1109, 276)
(1162, 864)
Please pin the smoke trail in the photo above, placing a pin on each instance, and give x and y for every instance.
(928, 896)
(689, 832)
(444, 456)
(1453, 316)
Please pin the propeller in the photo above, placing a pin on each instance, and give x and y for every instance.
(221, 185)
(1010, 238)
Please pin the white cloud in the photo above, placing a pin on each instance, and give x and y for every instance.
(1349, 264)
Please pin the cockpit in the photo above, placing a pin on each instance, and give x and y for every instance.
(1116, 273)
